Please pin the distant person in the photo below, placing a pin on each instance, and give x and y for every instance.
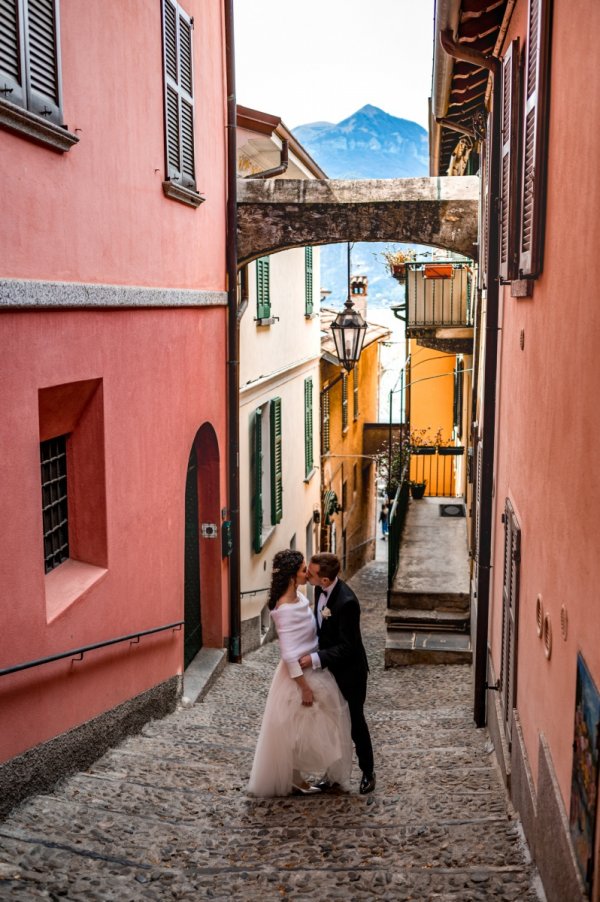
(306, 724)
(384, 519)
(341, 650)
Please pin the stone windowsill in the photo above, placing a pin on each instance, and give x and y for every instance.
(69, 582)
(310, 475)
(183, 195)
(266, 321)
(20, 121)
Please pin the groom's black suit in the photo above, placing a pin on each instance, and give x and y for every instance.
(341, 650)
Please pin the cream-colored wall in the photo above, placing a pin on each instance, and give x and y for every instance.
(293, 337)
(300, 496)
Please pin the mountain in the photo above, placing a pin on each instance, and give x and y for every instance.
(368, 144)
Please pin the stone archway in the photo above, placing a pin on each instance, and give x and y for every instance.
(277, 214)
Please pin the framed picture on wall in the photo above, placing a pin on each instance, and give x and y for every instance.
(584, 781)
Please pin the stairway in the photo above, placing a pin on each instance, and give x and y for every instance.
(428, 621)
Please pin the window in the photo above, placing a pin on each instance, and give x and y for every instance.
(535, 140)
(509, 171)
(510, 616)
(355, 391)
(458, 397)
(263, 289)
(344, 402)
(308, 428)
(325, 437)
(53, 456)
(308, 281)
(73, 491)
(180, 182)
(30, 73)
(267, 489)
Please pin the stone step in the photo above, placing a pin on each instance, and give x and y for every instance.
(414, 619)
(420, 647)
(429, 601)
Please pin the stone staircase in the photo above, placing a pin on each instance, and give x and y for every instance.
(428, 621)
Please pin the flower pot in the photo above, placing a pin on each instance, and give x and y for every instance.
(417, 490)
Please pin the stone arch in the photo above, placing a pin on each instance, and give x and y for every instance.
(278, 214)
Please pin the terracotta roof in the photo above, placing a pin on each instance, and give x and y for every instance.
(460, 88)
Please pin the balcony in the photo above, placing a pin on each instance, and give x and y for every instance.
(439, 305)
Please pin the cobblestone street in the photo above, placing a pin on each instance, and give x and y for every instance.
(166, 816)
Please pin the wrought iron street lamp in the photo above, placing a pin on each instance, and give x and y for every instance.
(348, 330)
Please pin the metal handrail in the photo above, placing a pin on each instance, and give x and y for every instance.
(85, 648)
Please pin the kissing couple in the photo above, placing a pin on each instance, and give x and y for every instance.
(314, 709)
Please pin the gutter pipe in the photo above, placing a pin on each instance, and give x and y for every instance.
(276, 170)
(233, 341)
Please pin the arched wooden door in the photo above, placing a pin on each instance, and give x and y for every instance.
(191, 577)
(202, 553)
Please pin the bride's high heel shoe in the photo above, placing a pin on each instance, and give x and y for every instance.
(305, 789)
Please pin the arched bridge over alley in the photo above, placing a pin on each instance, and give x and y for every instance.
(277, 214)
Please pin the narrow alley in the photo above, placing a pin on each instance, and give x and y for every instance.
(166, 816)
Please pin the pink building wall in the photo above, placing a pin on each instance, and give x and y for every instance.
(548, 419)
(97, 214)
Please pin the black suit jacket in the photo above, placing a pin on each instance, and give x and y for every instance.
(341, 649)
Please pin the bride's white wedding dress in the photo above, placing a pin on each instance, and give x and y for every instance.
(293, 737)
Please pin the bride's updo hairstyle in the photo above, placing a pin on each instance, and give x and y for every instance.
(285, 566)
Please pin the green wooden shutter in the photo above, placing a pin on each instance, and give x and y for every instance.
(355, 391)
(308, 427)
(276, 463)
(308, 281)
(179, 99)
(257, 463)
(344, 402)
(263, 288)
(42, 58)
(325, 436)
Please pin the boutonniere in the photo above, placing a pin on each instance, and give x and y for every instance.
(325, 613)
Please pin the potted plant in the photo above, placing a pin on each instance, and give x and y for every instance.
(421, 442)
(417, 489)
(396, 261)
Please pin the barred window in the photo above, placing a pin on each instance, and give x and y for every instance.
(53, 456)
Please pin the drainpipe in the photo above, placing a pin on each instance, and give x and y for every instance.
(459, 51)
(233, 369)
(484, 562)
(277, 170)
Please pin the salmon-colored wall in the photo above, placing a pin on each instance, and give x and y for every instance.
(155, 400)
(548, 427)
(98, 213)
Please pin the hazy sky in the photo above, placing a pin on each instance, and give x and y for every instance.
(321, 60)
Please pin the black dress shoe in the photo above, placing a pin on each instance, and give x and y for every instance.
(367, 784)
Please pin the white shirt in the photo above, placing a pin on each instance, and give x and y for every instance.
(322, 603)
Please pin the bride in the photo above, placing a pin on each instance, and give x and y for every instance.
(306, 724)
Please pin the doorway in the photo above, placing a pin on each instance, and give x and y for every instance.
(202, 601)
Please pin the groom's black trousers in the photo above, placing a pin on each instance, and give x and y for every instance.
(359, 729)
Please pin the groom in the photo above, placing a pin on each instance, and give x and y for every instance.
(341, 650)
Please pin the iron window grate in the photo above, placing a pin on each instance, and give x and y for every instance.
(53, 456)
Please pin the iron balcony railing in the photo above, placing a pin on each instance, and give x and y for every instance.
(396, 525)
(439, 295)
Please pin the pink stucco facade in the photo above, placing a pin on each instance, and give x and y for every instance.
(548, 420)
(132, 380)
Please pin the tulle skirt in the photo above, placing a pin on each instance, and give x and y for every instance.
(314, 740)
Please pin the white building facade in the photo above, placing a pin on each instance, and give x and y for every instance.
(279, 388)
